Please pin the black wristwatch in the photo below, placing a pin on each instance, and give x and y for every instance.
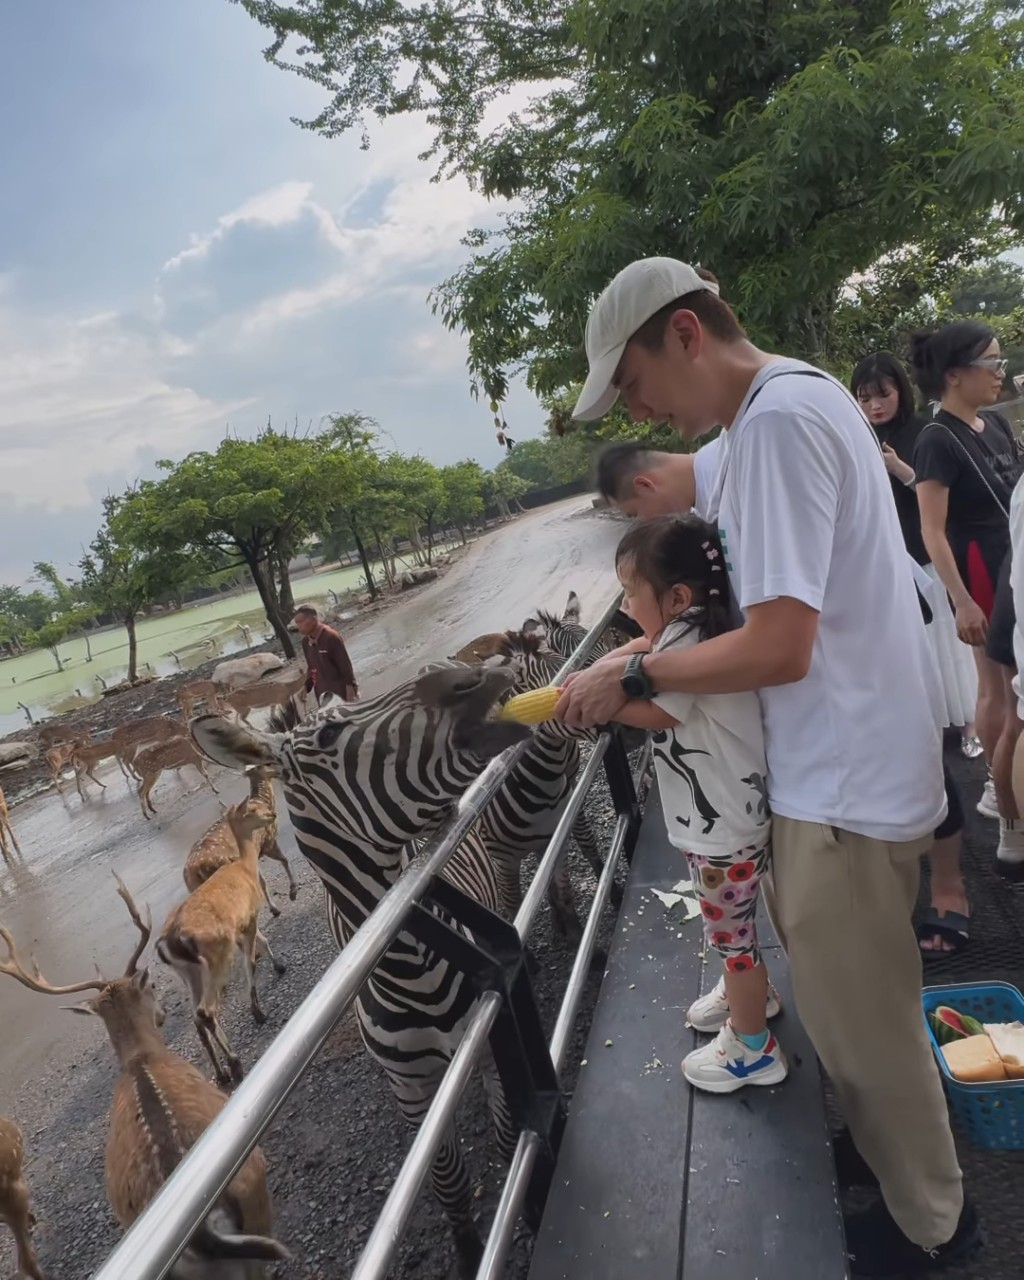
(634, 681)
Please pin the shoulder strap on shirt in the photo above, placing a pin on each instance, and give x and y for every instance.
(787, 373)
(926, 610)
(978, 469)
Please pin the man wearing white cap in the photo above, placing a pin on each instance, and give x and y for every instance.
(833, 640)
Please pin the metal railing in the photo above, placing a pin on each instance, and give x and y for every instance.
(153, 1244)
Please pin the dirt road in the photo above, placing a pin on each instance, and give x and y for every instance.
(56, 1071)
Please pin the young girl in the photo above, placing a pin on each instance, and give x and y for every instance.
(710, 763)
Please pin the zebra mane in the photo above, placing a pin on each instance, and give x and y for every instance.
(524, 642)
(284, 717)
(551, 620)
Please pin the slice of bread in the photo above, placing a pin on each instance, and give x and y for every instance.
(974, 1060)
(1008, 1039)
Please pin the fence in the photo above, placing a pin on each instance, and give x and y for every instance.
(505, 1015)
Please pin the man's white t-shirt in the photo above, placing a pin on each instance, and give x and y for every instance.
(805, 510)
(1017, 585)
(705, 471)
(711, 765)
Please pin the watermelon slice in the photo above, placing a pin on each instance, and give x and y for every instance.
(948, 1025)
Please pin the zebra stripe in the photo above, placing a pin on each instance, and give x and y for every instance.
(362, 783)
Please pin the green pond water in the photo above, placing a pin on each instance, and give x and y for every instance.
(195, 634)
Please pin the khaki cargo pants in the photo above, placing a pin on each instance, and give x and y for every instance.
(841, 905)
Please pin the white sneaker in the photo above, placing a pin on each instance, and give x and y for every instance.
(711, 1012)
(987, 806)
(726, 1064)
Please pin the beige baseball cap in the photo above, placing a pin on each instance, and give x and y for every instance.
(636, 293)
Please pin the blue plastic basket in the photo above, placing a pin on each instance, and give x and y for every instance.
(992, 1115)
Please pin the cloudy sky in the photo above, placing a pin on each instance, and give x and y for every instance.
(177, 257)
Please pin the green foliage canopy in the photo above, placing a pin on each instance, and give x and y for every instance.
(787, 146)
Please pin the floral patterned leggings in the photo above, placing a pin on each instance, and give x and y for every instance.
(728, 887)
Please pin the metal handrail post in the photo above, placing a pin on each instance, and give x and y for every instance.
(528, 1148)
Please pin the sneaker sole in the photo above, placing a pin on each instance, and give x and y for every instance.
(771, 1075)
(987, 811)
(772, 1010)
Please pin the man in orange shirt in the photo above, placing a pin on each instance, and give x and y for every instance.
(330, 667)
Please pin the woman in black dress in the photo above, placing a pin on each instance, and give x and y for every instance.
(965, 459)
(883, 391)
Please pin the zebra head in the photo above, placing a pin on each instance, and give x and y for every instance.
(382, 770)
(563, 634)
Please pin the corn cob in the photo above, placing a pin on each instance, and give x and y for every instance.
(533, 707)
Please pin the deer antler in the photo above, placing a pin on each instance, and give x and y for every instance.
(145, 928)
(14, 967)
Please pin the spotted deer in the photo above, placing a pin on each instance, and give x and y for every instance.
(161, 1106)
(269, 692)
(7, 831)
(201, 935)
(218, 847)
(205, 691)
(15, 1208)
(58, 743)
(173, 755)
(86, 756)
(480, 649)
(131, 737)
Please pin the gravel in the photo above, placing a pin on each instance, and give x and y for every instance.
(336, 1144)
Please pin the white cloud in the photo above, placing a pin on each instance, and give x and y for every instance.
(294, 302)
(84, 398)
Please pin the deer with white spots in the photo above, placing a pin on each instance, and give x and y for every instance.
(162, 1105)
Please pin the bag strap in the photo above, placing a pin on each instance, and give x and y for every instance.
(978, 471)
(926, 610)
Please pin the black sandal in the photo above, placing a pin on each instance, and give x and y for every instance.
(952, 927)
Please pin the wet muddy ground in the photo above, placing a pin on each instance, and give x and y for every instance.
(338, 1141)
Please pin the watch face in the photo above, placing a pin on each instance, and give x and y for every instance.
(634, 686)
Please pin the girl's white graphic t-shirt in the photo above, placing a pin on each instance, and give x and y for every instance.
(711, 765)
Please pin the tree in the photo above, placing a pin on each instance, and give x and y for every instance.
(249, 499)
(503, 489)
(422, 496)
(789, 147)
(463, 494)
(550, 461)
(361, 510)
(882, 310)
(995, 288)
(121, 577)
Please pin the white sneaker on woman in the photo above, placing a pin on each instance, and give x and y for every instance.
(711, 1012)
(726, 1064)
(987, 806)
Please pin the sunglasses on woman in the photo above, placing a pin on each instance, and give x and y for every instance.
(994, 364)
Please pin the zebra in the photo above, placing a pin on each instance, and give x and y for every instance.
(362, 782)
(522, 817)
(564, 634)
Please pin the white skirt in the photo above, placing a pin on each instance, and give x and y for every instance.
(954, 658)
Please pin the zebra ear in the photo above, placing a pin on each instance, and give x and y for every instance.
(534, 627)
(232, 743)
(571, 613)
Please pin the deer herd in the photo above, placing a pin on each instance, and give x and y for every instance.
(161, 1102)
